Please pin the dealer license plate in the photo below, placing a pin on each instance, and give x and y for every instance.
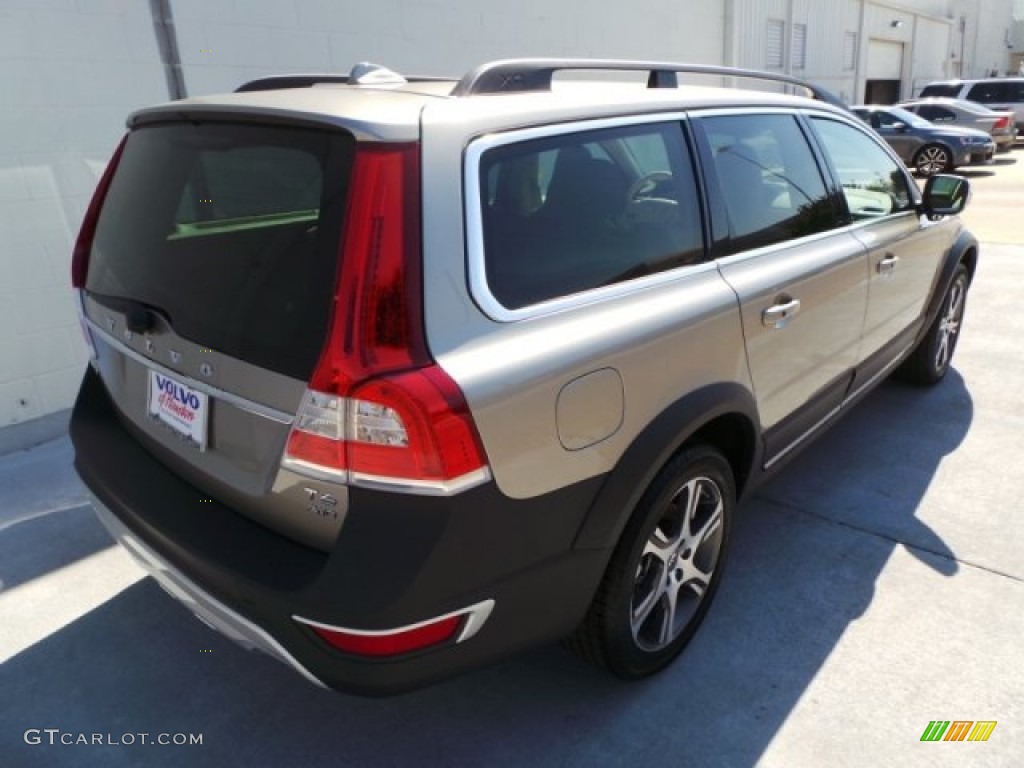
(183, 409)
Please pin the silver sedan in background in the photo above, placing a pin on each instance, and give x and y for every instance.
(967, 114)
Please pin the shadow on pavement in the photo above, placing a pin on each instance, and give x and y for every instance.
(66, 536)
(973, 173)
(806, 557)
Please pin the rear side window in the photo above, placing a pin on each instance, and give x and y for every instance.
(768, 178)
(939, 89)
(230, 232)
(873, 183)
(934, 112)
(573, 212)
(997, 91)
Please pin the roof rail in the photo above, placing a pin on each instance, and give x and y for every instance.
(288, 81)
(363, 73)
(524, 75)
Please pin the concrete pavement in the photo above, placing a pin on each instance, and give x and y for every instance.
(874, 586)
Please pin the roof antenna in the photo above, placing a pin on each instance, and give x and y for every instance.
(366, 73)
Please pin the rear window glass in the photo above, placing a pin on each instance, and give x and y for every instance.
(579, 211)
(941, 90)
(933, 112)
(992, 91)
(230, 232)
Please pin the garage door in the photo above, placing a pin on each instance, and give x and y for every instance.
(885, 60)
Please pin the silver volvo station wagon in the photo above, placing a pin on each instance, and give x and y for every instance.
(392, 377)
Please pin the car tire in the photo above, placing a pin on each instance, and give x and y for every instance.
(931, 359)
(932, 159)
(672, 550)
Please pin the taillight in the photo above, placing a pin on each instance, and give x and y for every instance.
(379, 411)
(80, 256)
(458, 626)
(392, 644)
(1002, 122)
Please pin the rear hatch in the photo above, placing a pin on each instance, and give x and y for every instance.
(208, 297)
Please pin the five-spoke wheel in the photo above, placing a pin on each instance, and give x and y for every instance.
(665, 569)
(930, 360)
(676, 564)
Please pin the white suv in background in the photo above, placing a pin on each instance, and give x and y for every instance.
(993, 92)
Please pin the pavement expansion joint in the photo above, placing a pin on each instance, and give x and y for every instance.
(789, 507)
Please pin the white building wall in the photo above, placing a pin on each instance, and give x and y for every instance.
(70, 70)
(224, 43)
(931, 52)
(921, 27)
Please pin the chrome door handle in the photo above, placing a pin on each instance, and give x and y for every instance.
(778, 315)
(888, 264)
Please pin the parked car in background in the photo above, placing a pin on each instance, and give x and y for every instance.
(992, 92)
(929, 148)
(999, 124)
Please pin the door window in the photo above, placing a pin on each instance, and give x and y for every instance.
(989, 92)
(873, 183)
(577, 211)
(935, 113)
(768, 178)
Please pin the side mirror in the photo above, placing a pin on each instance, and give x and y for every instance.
(899, 126)
(946, 195)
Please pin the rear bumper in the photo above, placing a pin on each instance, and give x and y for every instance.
(205, 606)
(1005, 141)
(398, 561)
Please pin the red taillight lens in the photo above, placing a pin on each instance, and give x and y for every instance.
(413, 426)
(80, 256)
(1001, 123)
(379, 410)
(391, 644)
(378, 319)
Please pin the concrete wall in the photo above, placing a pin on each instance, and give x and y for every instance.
(223, 43)
(69, 72)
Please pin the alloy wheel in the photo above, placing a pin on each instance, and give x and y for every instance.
(676, 564)
(949, 324)
(932, 160)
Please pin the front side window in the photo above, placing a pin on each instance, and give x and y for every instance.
(578, 211)
(873, 183)
(769, 180)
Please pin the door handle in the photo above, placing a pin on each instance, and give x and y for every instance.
(888, 264)
(779, 315)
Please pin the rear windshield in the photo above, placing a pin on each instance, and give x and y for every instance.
(230, 232)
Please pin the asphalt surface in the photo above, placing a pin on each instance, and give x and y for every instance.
(874, 586)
